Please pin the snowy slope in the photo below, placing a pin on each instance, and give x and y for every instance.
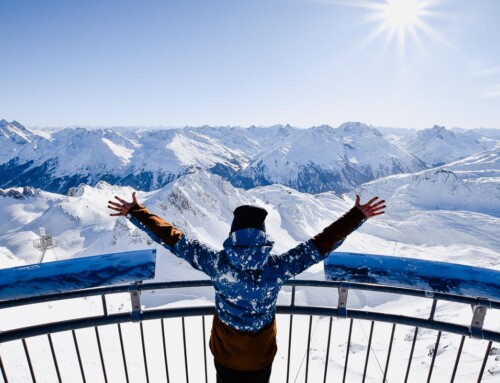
(471, 184)
(14, 136)
(201, 204)
(439, 145)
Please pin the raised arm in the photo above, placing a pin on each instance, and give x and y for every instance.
(333, 236)
(164, 232)
(317, 248)
(197, 255)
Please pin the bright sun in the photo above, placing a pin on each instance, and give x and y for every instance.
(402, 14)
(399, 19)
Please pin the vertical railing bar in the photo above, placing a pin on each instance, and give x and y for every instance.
(26, 351)
(459, 354)
(434, 356)
(54, 358)
(144, 353)
(348, 348)
(123, 352)
(389, 353)
(290, 337)
(411, 354)
(433, 309)
(204, 348)
(104, 305)
(328, 347)
(4, 373)
(164, 349)
(78, 355)
(308, 346)
(100, 354)
(185, 349)
(368, 350)
(488, 349)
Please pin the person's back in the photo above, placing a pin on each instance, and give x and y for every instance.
(247, 279)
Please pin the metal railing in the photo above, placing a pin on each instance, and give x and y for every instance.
(285, 313)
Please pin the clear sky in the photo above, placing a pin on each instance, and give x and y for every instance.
(250, 62)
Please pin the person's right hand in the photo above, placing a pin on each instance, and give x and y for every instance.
(371, 208)
(123, 207)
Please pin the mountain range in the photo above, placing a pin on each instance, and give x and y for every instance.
(313, 160)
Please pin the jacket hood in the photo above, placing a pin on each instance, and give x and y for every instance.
(248, 249)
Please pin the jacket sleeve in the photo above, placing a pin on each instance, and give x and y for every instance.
(199, 256)
(333, 236)
(315, 250)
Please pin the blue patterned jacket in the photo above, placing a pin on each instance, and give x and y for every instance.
(246, 277)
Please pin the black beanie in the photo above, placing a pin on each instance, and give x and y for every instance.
(248, 216)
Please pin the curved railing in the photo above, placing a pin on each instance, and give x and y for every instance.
(287, 359)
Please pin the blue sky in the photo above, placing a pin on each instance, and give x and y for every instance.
(247, 62)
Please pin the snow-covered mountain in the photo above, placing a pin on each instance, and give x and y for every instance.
(323, 159)
(145, 159)
(201, 204)
(310, 160)
(14, 136)
(471, 184)
(438, 146)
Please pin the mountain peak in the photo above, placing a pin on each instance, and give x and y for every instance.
(355, 128)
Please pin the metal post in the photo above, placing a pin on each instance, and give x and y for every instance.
(368, 350)
(411, 354)
(2, 368)
(135, 299)
(389, 353)
(54, 358)
(144, 353)
(185, 349)
(459, 354)
(347, 352)
(26, 351)
(104, 305)
(123, 352)
(328, 348)
(164, 348)
(101, 355)
(488, 349)
(476, 326)
(342, 304)
(308, 346)
(433, 309)
(290, 337)
(204, 348)
(78, 355)
(434, 356)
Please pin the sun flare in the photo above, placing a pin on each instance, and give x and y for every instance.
(402, 14)
(400, 20)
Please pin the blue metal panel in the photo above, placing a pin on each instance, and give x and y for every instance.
(78, 273)
(432, 276)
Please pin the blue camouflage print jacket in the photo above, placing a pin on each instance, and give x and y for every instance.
(246, 277)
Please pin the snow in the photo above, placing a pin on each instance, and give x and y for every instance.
(449, 213)
(119, 151)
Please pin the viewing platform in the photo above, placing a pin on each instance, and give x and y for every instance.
(372, 319)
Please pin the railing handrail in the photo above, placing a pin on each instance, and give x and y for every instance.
(149, 314)
(494, 304)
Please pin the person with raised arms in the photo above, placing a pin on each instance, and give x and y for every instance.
(246, 278)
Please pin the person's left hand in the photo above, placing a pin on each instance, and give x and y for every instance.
(372, 208)
(123, 207)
